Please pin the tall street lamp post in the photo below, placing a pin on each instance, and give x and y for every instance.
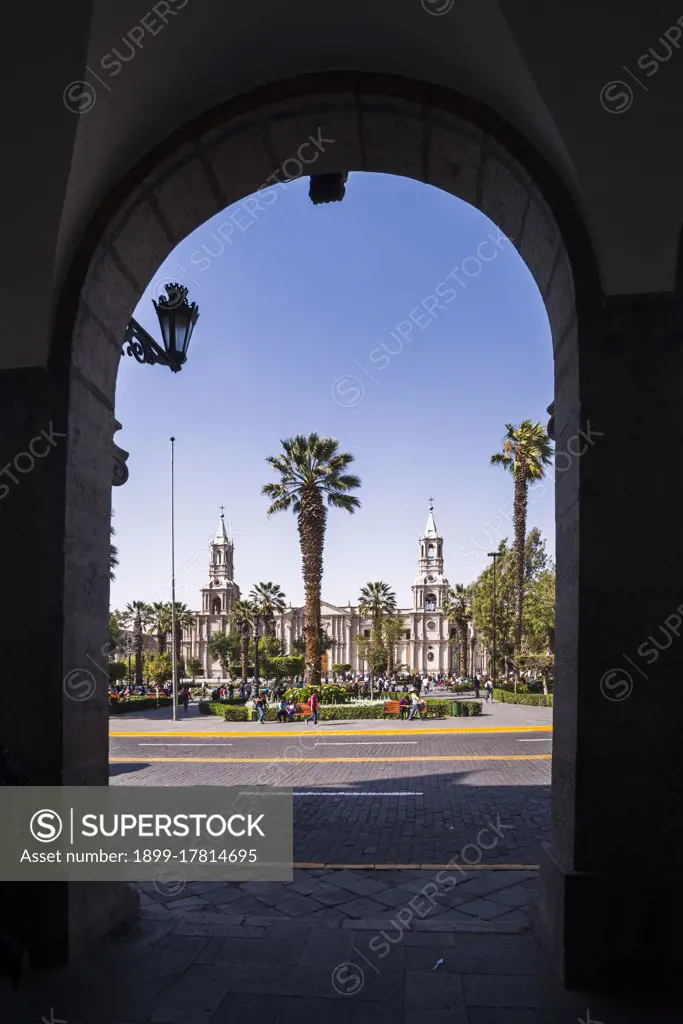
(494, 555)
(174, 652)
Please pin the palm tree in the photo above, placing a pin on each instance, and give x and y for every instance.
(376, 602)
(161, 613)
(269, 599)
(311, 469)
(184, 618)
(527, 450)
(138, 617)
(457, 610)
(113, 554)
(242, 616)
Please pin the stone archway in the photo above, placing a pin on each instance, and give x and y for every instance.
(375, 123)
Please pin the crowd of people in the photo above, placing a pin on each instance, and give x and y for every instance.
(360, 687)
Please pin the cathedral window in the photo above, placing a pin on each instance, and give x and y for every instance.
(430, 603)
(407, 634)
(431, 551)
(216, 609)
(430, 656)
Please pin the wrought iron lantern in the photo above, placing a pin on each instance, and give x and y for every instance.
(177, 318)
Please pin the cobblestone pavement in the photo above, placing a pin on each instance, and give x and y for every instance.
(401, 808)
(442, 900)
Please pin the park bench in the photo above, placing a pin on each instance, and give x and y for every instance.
(393, 708)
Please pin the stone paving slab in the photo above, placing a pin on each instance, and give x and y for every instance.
(151, 973)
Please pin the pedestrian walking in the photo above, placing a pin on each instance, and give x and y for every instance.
(313, 717)
(488, 686)
(185, 697)
(261, 706)
(415, 706)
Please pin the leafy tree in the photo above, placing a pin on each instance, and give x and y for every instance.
(526, 451)
(539, 625)
(137, 616)
(340, 669)
(227, 648)
(286, 666)
(458, 611)
(312, 470)
(117, 670)
(194, 668)
(373, 652)
(116, 627)
(539, 603)
(158, 667)
(269, 648)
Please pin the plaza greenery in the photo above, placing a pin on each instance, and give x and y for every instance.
(327, 693)
(158, 668)
(328, 713)
(120, 707)
(312, 472)
(536, 699)
(117, 670)
(538, 619)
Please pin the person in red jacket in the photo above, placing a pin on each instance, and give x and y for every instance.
(313, 717)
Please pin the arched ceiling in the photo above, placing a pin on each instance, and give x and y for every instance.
(541, 66)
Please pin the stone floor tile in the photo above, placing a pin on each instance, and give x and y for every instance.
(294, 905)
(514, 896)
(327, 948)
(484, 910)
(363, 907)
(433, 991)
(244, 906)
(332, 895)
(239, 1008)
(196, 997)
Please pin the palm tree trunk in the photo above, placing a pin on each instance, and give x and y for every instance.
(256, 656)
(137, 644)
(245, 654)
(312, 522)
(161, 642)
(520, 509)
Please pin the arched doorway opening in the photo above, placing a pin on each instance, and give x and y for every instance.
(380, 124)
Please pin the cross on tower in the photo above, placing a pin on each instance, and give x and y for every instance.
(431, 504)
(222, 508)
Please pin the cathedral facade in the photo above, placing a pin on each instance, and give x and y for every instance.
(426, 646)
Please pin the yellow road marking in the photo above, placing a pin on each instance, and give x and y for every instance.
(347, 732)
(328, 760)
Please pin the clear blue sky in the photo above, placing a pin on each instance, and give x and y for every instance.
(294, 312)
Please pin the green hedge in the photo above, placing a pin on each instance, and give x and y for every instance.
(535, 699)
(470, 708)
(329, 713)
(120, 707)
(326, 693)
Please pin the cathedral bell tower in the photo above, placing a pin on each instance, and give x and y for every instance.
(221, 592)
(430, 590)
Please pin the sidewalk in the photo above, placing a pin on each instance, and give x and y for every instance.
(494, 716)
